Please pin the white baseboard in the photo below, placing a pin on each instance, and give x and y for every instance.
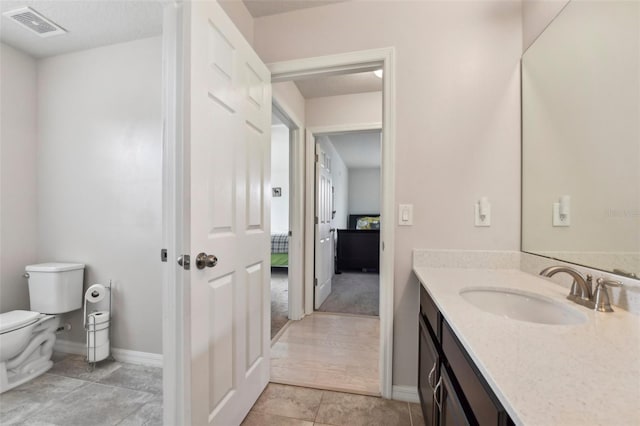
(69, 347)
(132, 357)
(405, 393)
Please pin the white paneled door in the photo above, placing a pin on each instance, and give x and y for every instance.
(323, 232)
(230, 122)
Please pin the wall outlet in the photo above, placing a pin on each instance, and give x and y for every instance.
(560, 219)
(483, 212)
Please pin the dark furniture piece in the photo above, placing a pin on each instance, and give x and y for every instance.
(358, 249)
(452, 391)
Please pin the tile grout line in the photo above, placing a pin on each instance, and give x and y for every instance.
(319, 405)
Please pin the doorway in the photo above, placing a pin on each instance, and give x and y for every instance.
(337, 346)
(322, 67)
(286, 218)
(282, 140)
(355, 223)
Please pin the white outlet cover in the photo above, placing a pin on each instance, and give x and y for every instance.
(479, 221)
(559, 221)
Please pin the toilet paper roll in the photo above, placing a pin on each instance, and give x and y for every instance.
(95, 293)
(98, 318)
(98, 353)
(98, 328)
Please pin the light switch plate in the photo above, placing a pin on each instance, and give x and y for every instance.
(405, 214)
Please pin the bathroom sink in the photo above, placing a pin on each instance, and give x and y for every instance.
(522, 306)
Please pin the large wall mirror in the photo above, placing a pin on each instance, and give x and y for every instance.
(581, 138)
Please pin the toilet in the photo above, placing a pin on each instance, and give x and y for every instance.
(27, 337)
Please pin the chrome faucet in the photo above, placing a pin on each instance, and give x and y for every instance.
(581, 289)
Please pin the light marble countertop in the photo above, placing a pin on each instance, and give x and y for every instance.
(587, 374)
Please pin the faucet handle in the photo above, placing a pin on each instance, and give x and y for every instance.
(603, 303)
(607, 282)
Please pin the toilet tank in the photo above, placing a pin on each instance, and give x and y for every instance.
(55, 288)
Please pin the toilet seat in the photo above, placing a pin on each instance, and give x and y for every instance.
(15, 320)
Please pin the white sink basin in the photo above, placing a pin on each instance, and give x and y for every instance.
(522, 305)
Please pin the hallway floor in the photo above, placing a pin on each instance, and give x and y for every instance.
(281, 405)
(329, 351)
(355, 293)
(279, 299)
(115, 393)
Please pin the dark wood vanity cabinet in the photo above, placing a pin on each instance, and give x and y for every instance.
(452, 390)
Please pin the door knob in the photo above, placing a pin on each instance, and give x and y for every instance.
(204, 260)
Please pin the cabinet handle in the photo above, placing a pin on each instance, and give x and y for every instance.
(430, 377)
(435, 394)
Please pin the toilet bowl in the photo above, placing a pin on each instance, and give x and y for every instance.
(27, 337)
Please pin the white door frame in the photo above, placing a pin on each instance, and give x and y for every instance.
(175, 185)
(296, 207)
(360, 61)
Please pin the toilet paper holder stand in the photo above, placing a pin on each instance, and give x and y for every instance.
(91, 332)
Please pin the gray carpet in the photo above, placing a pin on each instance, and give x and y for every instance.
(354, 293)
(279, 299)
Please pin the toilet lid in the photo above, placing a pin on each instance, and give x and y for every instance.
(15, 319)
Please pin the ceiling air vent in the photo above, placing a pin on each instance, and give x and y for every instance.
(33, 21)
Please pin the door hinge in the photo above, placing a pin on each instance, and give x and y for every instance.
(163, 255)
(315, 282)
(317, 158)
(316, 220)
(290, 233)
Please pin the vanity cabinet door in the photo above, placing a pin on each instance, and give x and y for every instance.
(448, 403)
(430, 313)
(428, 374)
(478, 397)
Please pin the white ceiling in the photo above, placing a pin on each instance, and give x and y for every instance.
(90, 23)
(358, 149)
(335, 85)
(258, 8)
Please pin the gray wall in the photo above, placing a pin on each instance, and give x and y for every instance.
(536, 15)
(364, 190)
(17, 175)
(100, 179)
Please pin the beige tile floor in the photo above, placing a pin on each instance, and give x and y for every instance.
(329, 351)
(282, 405)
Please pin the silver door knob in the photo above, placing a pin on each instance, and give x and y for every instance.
(204, 260)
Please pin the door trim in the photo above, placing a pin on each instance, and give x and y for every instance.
(175, 296)
(366, 60)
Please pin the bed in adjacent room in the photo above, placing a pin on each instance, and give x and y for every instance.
(279, 250)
